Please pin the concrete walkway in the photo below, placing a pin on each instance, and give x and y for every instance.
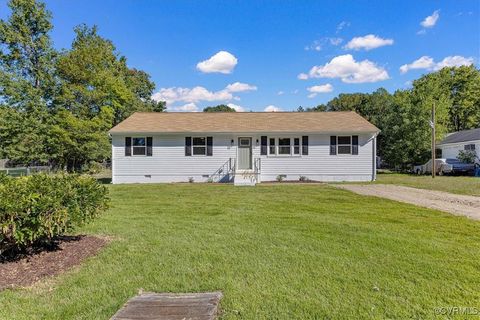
(171, 306)
(468, 206)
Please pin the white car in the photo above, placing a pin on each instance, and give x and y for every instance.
(441, 167)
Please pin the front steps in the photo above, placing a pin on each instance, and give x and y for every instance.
(244, 178)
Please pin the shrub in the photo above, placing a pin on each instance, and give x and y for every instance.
(40, 207)
(467, 156)
(191, 180)
(280, 177)
(303, 179)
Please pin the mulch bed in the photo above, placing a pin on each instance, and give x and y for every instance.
(26, 268)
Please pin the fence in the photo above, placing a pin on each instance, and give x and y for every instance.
(25, 171)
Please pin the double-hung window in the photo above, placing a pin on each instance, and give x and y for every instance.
(199, 146)
(139, 146)
(272, 149)
(344, 144)
(469, 147)
(284, 146)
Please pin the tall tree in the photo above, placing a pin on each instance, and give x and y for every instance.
(93, 76)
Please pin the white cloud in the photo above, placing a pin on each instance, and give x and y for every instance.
(195, 94)
(221, 62)
(236, 107)
(295, 91)
(272, 108)
(280, 93)
(189, 107)
(342, 25)
(427, 63)
(454, 61)
(335, 41)
(368, 42)
(430, 21)
(324, 88)
(348, 70)
(174, 94)
(240, 87)
(302, 76)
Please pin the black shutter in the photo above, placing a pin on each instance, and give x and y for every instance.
(188, 146)
(354, 144)
(209, 146)
(149, 146)
(333, 145)
(263, 148)
(128, 146)
(305, 145)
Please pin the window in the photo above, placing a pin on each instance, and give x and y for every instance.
(344, 145)
(469, 147)
(139, 146)
(272, 150)
(244, 142)
(199, 146)
(284, 146)
(296, 145)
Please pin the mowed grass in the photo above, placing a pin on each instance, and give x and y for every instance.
(453, 184)
(276, 252)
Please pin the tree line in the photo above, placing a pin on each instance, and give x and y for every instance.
(56, 106)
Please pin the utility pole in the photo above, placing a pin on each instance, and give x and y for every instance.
(432, 124)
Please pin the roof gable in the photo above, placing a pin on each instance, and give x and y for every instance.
(462, 136)
(226, 122)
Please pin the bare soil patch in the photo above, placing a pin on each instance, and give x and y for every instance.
(468, 206)
(26, 268)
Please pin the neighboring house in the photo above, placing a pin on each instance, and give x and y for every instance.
(243, 147)
(461, 140)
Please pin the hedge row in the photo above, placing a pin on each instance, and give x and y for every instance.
(40, 207)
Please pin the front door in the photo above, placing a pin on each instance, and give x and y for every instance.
(244, 153)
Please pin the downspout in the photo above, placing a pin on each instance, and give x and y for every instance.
(374, 157)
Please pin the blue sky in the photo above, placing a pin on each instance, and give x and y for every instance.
(266, 46)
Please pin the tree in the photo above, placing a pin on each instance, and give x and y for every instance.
(26, 56)
(27, 82)
(93, 76)
(219, 108)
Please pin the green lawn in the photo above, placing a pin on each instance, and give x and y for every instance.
(276, 252)
(453, 184)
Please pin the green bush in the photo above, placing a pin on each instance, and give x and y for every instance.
(40, 207)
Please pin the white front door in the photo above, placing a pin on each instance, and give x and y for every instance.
(244, 158)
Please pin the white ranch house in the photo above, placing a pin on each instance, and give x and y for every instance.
(244, 147)
(467, 140)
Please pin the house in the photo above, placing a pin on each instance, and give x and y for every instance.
(461, 140)
(243, 147)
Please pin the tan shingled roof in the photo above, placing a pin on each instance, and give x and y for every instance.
(225, 122)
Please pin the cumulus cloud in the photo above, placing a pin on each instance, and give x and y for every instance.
(431, 21)
(191, 96)
(240, 87)
(348, 70)
(189, 107)
(280, 93)
(324, 88)
(317, 45)
(427, 63)
(221, 62)
(335, 41)
(236, 107)
(272, 108)
(368, 42)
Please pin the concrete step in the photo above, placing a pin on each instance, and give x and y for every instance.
(244, 178)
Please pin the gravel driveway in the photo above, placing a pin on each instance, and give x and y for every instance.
(468, 206)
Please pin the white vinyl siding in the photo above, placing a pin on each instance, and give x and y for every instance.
(450, 151)
(168, 162)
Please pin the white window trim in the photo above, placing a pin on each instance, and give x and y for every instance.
(199, 145)
(351, 146)
(145, 147)
(292, 147)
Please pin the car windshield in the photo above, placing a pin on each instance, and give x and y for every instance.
(453, 161)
